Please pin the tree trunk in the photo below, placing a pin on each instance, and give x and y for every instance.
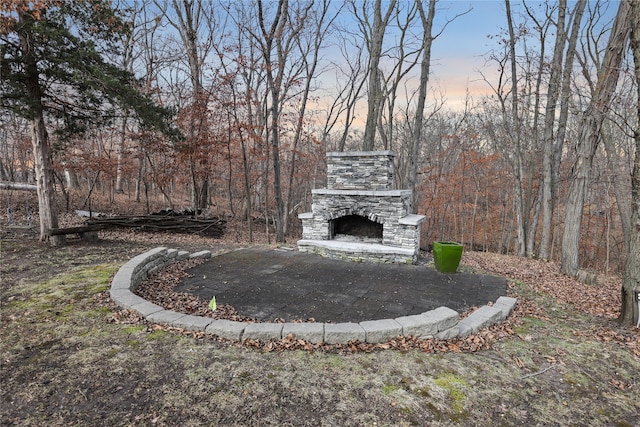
(44, 180)
(140, 176)
(629, 315)
(119, 165)
(189, 14)
(522, 214)
(274, 82)
(588, 141)
(553, 146)
(375, 98)
(310, 61)
(416, 136)
(549, 141)
(589, 138)
(631, 280)
(40, 142)
(619, 172)
(247, 189)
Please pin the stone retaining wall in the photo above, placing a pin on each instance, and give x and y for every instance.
(441, 323)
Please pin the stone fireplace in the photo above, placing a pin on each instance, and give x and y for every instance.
(359, 216)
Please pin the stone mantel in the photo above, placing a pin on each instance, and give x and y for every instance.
(368, 193)
(387, 153)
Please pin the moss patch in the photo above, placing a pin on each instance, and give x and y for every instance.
(455, 387)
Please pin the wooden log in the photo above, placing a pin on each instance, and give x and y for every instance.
(18, 186)
(72, 230)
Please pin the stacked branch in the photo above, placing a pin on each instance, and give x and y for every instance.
(211, 227)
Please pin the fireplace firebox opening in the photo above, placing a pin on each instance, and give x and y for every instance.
(356, 228)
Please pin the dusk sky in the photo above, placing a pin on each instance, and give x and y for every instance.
(459, 52)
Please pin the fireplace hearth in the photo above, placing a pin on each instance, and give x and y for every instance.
(359, 216)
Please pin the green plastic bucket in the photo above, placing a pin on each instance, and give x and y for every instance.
(446, 256)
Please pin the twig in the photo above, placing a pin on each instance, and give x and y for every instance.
(83, 394)
(590, 377)
(537, 373)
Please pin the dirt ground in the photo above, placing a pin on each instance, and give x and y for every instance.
(70, 357)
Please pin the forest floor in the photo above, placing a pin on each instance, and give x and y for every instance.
(69, 356)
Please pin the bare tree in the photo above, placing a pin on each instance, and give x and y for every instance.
(127, 59)
(559, 87)
(188, 18)
(373, 33)
(350, 80)
(309, 45)
(276, 37)
(629, 315)
(62, 74)
(270, 35)
(425, 65)
(404, 56)
(590, 136)
(148, 62)
(522, 213)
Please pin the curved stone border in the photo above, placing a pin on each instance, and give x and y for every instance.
(441, 323)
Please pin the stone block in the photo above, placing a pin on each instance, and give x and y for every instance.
(152, 264)
(192, 323)
(482, 317)
(165, 317)
(201, 254)
(227, 329)
(447, 334)
(171, 255)
(146, 308)
(464, 328)
(140, 261)
(417, 325)
(413, 220)
(137, 263)
(122, 279)
(312, 332)
(490, 315)
(182, 255)
(377, 331)
(154, 268)
(136, 279)
(342, 333)
(443, 317)
(506, 304)
(263, 331)
(125, 298)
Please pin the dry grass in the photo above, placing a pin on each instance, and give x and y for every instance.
(65, 361)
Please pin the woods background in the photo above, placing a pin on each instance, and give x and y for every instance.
(262, 90)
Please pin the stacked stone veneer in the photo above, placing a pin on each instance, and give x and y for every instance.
(441, 323)
(360, 170)
(361, 183)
